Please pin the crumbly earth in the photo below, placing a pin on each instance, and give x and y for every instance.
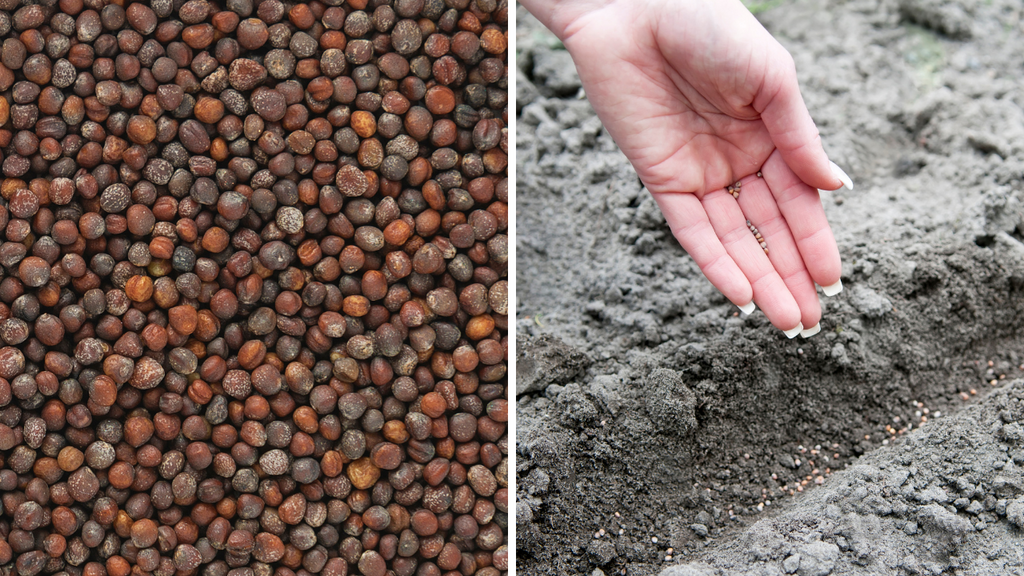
(652, 416)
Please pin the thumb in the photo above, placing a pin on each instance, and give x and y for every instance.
(791, 128)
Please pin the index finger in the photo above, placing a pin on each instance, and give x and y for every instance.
(801, 207)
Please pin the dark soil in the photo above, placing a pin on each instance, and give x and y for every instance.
(649, 409)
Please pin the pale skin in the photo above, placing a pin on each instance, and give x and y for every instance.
(698, 95)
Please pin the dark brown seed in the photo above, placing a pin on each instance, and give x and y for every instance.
(83, 484)
(269, 104)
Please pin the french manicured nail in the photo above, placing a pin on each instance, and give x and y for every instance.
(811, 331)
(748, 308)
(833, 289)
(843, 177)
(792, 333)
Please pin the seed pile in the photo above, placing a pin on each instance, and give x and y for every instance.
(734, 189)
(253, 296)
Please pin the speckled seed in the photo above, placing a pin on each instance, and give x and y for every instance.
(187, 557)
(275, 462)
(83, 485)
(148, 373)
(245, 74)
(290, 220)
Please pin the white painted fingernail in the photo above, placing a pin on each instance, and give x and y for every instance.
(792, 333)
(811, 331)
(838, 173)
(748, 308)
(833, 289)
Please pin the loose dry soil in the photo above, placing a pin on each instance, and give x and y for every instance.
(651, 416)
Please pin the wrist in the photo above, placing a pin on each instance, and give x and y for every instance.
(558, 16)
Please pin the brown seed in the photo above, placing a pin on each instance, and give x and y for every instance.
(144, 533)
(148, 373)
(245, 74)
(433, 404)
(139, 288)
(138, 430)
(351, 181)
(424, 523)
(142, 18)
(493, 41)
(183, 319)
(269, 104)
(70, 458)
(186, 556)
(292, 509)
(208, 110)
(252, 33)
(83, 485)
(363, 473)
(34, 271)
(141, 129)
(440, 100)
(268, 548)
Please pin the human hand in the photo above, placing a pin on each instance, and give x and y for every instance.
(699, 96)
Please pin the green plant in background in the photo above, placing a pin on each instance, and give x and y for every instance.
(926, 54)
(547, 39)
(758, 6)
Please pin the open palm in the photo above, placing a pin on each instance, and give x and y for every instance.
(699, 97)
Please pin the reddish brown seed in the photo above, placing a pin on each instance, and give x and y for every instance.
(424, 523)
(183, 319)
(141, 129)
(186, 556)
(34, 271)
(144, 533)
(148, 373)
(433, 404)
(245, 74)
(493, 41)
(138, 430)
(268, 548)
(252, 33)
(70, 458)
(351, 181)
(139, 288)
(440, 100)
(363, 473)
(292, 509)
(208, 110)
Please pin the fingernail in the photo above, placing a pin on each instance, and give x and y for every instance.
(838, 173)
(748, 308)
(811, 331)
(833, 289)
(792, 333)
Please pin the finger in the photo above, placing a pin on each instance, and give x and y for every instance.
(801, 206)
(762, 211)
(770, 292)
(690, 226)
(791, 128)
